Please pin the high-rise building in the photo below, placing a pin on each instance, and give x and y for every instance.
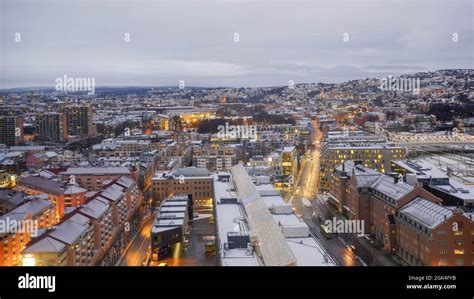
(79, 120)
(11, 130)
(51, 126)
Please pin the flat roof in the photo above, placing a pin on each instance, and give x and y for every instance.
(175, 215)
(457, 189)
(272, 244)
(308, 251)
(226, 215)
(421, 168)
(173, 209)
(174, 204)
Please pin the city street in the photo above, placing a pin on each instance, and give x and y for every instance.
(307, 187)
(135, 254)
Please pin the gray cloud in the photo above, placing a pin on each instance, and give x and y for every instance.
(193, 40)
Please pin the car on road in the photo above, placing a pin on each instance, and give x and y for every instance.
(325, 231)
(352, 248)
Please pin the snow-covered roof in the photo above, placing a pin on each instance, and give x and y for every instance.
(96, 171)
(425, 212)
(113, 192)
(73, 189)
(94, 209)
(271, 242)
(386, 185)
(49, 186)
(458, 190)
(125, 181)
(68, 231)
(422, 169)
(33, 207)
(46, 244)
(229, 218)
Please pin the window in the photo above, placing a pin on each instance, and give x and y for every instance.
(443, 251)
(458, 242)
(443, 262)
(442, 233)
(458, 251)
(459, 262)
(442, 242)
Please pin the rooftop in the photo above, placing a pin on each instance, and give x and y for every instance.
(229, 218)
(422, 169)
(96, 171)
(192, 172)
(49, 186)
(425, 212)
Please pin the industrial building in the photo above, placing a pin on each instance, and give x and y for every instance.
(170, 225)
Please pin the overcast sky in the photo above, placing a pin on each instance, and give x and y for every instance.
(194, 40)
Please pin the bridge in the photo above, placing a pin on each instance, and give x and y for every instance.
(423, 139)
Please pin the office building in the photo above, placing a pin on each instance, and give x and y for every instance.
(361, 147)
(405, 219)
(433, 235)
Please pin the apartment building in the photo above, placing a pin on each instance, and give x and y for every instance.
(89, 232)
(121, 148)
(11, 130)
(10, 199)
(21, 224)
(214, 157)
(189, 180)
(63, 195)
(94, 178)
(51, 126)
